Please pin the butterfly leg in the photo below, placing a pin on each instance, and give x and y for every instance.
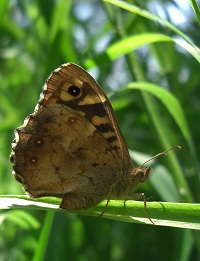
(108, 199)
(125, 202)
(142, 195)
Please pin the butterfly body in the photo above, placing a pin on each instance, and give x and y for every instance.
(72, 147)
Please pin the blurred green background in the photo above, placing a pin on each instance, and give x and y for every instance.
(38, 36)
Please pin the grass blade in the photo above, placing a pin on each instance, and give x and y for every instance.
(182, 215)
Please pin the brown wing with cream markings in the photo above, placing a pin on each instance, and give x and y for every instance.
(91, 103)
(71, 146)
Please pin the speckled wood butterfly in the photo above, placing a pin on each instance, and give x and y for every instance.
(72, 147)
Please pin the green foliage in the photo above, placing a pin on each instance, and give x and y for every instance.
(149, 68)
(182, 215)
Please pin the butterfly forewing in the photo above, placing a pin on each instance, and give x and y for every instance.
(92, 103)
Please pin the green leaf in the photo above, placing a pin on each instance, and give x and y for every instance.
(131, 43)
(23, 219)
(136, 10)
(169, 100)
(3, 8)
(196, 9)
(44, 236)
(183, 215)
(58, 22)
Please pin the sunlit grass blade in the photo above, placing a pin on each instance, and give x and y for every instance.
(135, 9)
(131, 43)
(183, 215)
(170, 102)
(196, 9)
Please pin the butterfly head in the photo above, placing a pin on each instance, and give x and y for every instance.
(141, 174)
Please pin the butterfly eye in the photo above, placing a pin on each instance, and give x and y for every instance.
(74, 90)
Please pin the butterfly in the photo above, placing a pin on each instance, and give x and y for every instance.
(72, 147)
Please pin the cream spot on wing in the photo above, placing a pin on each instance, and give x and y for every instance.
(72, 120)
(108, 134)
(97, 121)
(57, 69)
(17, 136)
(81, 113)
(103, 99)
(39, 142)
(89, 100)
(45, 87)
(77, 82)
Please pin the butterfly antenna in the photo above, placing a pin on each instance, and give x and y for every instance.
(160, 154)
